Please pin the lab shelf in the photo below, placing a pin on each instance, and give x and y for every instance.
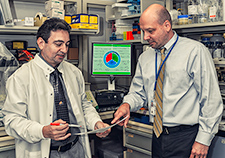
(140, 126)
(7, 151)
(6, 141)
(10, 147)
(219, 63)
(124, 17)
(110, 15)
(23, 30)
(125, 41)
(201, 28)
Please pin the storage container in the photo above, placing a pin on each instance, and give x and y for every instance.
(182, 19)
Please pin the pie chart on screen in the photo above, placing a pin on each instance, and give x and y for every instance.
(112, 59)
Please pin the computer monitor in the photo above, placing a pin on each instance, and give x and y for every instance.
(111, 59)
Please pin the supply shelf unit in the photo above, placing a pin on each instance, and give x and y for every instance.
(23, 30)
(184, 30)
(201, 28)
(110, 16)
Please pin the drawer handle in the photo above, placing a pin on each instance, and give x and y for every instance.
(129, 150)
(131, 135)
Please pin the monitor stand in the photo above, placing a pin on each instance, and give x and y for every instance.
(111, 83)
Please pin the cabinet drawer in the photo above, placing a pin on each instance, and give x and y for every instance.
(135, 152)
(138, 139)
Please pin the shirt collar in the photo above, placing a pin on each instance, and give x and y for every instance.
(169, 44)
(44, 60)
(58, 66)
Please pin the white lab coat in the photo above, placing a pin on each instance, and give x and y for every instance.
(29, 106)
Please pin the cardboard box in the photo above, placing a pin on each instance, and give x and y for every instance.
(80, 18)
(68, 18)
(56, 4)
(73, 54)
(29, 21)
(93, 21)
(79, 26)
(80, 21)
(57, 13)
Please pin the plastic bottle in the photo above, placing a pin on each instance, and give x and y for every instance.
(218, 51)
(213, 8)
(203, 11)
(182, 19)
(193, 10)
(217, 45)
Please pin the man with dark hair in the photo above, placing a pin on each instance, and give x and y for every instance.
(52, 24)
(47, 94)
(176, 79)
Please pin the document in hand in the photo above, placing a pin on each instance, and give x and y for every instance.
(101, 130)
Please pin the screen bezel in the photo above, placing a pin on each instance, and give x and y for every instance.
(105, 75)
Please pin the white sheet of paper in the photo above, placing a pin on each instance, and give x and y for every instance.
(101, 130)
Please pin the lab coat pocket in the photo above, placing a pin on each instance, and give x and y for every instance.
(33, 154)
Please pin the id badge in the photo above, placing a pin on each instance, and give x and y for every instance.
(153, 107)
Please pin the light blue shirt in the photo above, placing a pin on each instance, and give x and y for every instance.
(191, 92)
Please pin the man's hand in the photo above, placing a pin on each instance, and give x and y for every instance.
(56, 132)
(122, 111)
(199, 150)
(99, 125)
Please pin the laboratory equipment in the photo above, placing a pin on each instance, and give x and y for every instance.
(182, 19)
(111, 59)
(109, 100)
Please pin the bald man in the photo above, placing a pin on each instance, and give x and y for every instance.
(191, 99)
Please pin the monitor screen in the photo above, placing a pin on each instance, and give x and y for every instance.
(111, 59)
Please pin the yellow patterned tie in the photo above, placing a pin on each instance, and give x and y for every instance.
(157, 125)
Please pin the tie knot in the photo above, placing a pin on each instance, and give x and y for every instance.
(56, 72)
(162, 53)
(162, 50)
